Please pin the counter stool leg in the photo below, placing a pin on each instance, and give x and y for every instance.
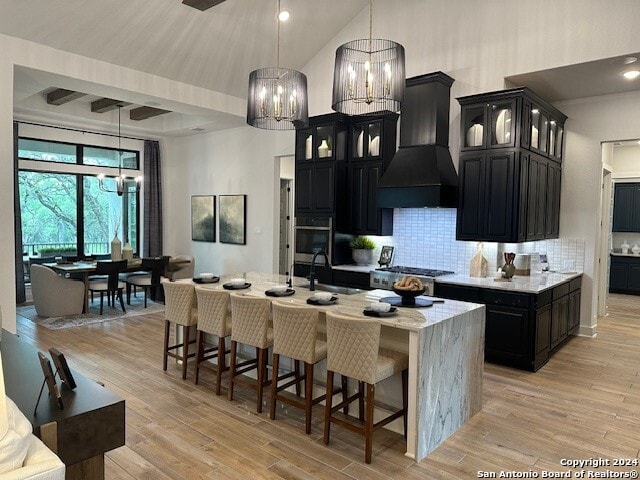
(308, 395)
(199, 354)
(232, 369)
(361, 401)
(185, 349)
(345, 394)
(262, 374)
(368, 426)
(327, 406)
(222, 362)
(296, 369)
(274, 386)
(166, 344)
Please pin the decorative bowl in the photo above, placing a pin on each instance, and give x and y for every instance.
(409, 293)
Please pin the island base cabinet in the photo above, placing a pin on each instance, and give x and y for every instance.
(507, 332)
(543, 336)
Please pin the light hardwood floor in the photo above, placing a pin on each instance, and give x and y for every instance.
(584, 403)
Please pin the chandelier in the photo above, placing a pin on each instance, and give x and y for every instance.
(277, 98)
(369, 75)
(121, 178)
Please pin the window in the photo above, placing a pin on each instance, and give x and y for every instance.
(65, 212)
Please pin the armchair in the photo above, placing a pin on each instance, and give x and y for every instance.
(53, 295)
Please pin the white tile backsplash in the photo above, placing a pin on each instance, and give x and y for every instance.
(426, 237)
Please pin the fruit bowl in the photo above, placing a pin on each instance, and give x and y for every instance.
(409, 296)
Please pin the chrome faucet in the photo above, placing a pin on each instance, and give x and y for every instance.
(312, 273)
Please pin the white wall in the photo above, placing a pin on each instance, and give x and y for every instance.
(238, 161)
(626, 162)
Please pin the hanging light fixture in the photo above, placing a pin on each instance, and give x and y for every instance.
(277, 97)
(121, 187)
(369, 75)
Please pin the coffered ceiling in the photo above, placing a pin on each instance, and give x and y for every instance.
(214, 49)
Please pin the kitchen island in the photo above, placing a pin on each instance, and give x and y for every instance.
(445, 344)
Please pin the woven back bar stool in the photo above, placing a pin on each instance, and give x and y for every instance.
(353, 350)
(214, 318)
(295, 332)
(180, 309)
(250, 318)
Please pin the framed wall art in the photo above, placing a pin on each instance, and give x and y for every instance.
(233, 225)
(203, 218)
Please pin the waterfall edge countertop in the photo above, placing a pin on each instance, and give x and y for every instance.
(524, 284)
(445, 344)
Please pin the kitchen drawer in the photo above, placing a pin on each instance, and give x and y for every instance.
(543, 298)
(561, 291)
(457, 292)
(508, 299)
(575, 284)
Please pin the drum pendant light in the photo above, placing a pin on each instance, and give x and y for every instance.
(369, 75)
(277, 97)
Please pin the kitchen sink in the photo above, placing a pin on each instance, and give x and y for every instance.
(337, 289)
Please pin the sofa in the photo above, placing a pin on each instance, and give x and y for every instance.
(53, 295)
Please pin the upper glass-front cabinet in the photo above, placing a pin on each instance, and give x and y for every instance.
(515, 118)
(324, 139)
(489, 125)
(366, 139)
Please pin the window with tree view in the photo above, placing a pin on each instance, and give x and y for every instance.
(67, 213)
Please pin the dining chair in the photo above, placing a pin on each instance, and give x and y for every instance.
(250, 318)
(111, 285)
(180, 309)
(353, 350)
(149, 280)
(214, 318)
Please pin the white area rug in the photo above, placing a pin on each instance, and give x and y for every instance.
(109, 313)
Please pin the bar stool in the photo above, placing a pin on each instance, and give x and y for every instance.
(250, 317)
(180, 308)
(295, 332)
(214, 318)
(353, 350)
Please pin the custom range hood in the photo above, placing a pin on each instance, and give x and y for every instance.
(421, 173)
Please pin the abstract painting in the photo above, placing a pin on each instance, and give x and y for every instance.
(203, 218)
(233, 228)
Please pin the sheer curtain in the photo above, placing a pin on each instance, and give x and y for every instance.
(152, 200)
(17, 219)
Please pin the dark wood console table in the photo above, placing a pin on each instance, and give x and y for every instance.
(92, 422)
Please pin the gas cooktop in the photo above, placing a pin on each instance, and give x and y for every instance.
(425, 272)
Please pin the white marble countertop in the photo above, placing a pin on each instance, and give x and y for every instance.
(406, 318)
(528, 284)
(355, 268)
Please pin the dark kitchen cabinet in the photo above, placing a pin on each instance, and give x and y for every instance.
(624, 274)
(372, 146)
(522, 330)
(509, 175)
(626, 207)
(488, 196)
(348, 278)
(320, 172)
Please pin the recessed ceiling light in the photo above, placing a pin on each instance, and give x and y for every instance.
(283, 16)
(631, 74)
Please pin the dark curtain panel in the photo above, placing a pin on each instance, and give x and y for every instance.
(152, 200)
(17, 219)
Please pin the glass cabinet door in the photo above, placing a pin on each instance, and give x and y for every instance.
(544, 132)
(553, 136)
(559, 141)
(324, 142)
(304, 144)
(534, 138)
(375, 138)
(501, 123)
(357, 138)
(474, 123)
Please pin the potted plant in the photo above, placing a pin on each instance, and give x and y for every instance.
(362, 250)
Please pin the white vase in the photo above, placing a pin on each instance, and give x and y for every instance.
(323, 149)
(362, 256)
(116, 248)
(308, 147)
(127, 252)
(636, 249)
(624, 247)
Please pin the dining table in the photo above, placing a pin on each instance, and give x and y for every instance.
(85, 268)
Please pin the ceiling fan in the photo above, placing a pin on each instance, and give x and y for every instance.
(202, 4)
